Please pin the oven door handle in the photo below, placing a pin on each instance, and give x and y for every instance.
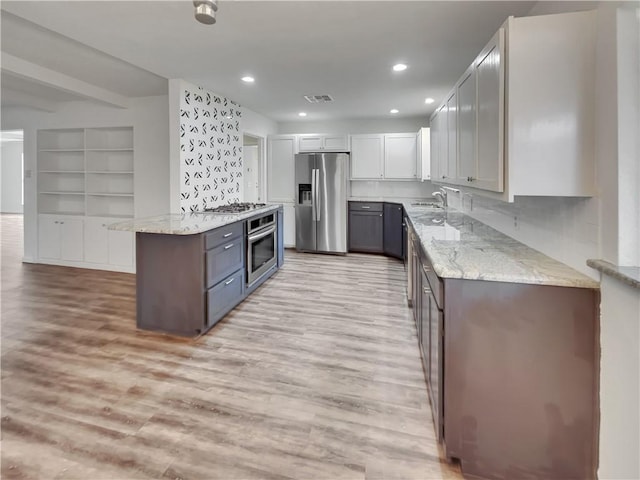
(258, 236)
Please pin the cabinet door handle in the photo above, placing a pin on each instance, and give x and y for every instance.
(426, 290)
(228, 282)
(380, 214)
(227, 235)
(228, 246)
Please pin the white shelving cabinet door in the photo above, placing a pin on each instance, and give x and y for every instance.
(336, 143)
(96, 241)
(289, 226)
(367, 157)
(443, 143)
(450, 165)
(281, 169)
(435, 146)
(72, 239)
(120, 248)
(490, 81)
(400, 156)
(467, 127)
(424, 156)
(48, 237)
(311, 143)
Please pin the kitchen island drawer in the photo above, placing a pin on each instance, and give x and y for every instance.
(365, 206)
(222, 235)
(223, 260)
(224, 296)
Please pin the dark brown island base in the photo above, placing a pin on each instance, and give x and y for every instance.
(189, 279)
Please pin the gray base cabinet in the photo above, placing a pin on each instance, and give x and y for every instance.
(187, 283)
(366, 227)
(393, 236)
(512, 373)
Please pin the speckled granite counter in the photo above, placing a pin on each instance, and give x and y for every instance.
(462, 247)
(187, 223)
(628, 275)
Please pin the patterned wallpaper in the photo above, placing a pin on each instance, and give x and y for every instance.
(210, 149)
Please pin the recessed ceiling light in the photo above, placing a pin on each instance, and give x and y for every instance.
(399, 67)
(429, 101)
(302, 114)
(248, 79)
(393, 110)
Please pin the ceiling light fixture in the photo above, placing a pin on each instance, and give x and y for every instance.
(248, 79)
(302, 114)
(206, 11)
(393, 110)
(429, 101)
(400, 67)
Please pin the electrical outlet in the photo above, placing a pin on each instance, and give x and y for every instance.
(515, 223)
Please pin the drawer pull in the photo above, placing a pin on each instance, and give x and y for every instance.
(227, 235)
(426, 290)
(228, 246)
(365, 206)
(229, 281)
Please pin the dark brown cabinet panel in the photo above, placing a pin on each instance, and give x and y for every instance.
(223, 260)
(224, 296)
(366, 231)
(393, 237)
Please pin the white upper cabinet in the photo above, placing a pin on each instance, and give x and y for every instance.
(281, 168)
(467, 127)
(489, 172)
(367, 157)
(524, 122)
(319, 143)
(400, 156)
(424, 154)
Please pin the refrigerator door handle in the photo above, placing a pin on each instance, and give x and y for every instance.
(313, 194)
(316, 200)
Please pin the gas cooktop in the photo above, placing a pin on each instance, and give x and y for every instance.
(235, 207)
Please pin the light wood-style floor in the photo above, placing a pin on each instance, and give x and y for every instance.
(316, 376)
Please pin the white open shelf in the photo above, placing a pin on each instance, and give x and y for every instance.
(86, 172)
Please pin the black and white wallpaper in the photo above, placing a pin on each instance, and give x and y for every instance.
(210, 149)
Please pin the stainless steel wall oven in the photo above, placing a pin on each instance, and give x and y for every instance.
(261, 246)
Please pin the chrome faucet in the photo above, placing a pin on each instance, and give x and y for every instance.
(441, 195)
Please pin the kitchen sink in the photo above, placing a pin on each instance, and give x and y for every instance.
(426, 204)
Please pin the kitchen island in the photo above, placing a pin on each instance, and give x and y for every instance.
(193, 268)
(509, 341)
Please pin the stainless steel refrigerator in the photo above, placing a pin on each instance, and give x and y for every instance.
(322, 185)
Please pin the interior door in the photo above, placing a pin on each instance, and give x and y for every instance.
(332, 202)
(305, 166)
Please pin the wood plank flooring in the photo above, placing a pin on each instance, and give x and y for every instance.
(316, 376)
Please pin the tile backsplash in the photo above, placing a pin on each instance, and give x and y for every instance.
(565, 229)
(390, 189)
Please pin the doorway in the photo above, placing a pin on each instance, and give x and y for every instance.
(12, 171)
(252, 159)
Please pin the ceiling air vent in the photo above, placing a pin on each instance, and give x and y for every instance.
(318, 98)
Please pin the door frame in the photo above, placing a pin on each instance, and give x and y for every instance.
(262, 164)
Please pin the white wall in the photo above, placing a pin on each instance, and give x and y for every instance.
(149, 118)
(11, 177)
(619, 381)
(258, 125)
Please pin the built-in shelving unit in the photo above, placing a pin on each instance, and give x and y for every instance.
(85, 181)
(86, 171)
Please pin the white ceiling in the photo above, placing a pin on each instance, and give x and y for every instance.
(341, 48)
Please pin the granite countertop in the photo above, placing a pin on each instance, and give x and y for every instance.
(628, 275)
(461, 247)
(187, 223)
